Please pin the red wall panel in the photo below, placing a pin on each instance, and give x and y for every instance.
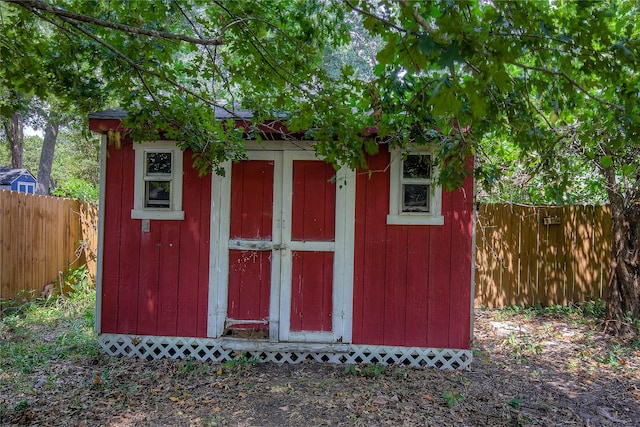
(411, 282)
(154, 282)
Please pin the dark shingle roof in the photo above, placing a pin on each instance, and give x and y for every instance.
(8, 175)
(220, 113)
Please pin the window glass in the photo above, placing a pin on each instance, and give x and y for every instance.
(417, 166)
(158, 194)
(158, 163)
(415, 198)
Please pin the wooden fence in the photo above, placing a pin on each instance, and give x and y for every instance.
(41, 237)
(524, 255)
(541, 255)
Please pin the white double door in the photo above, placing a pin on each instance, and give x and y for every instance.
(282, 249)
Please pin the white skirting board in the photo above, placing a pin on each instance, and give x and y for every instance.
(225, 349)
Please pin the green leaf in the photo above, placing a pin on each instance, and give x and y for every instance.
(606, 161)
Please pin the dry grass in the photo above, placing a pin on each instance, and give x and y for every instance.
(530, 368)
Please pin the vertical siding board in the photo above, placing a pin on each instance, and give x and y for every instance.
(204, 244)
(131, 257)
(362, 183)
(188, 256)
(395, 285)
(168, 277)
(440, 278)
(460, 291)
(416, 302)
(374, 233)
(148, 277)
(112, 216)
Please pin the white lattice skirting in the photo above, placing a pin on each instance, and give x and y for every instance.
(222, 350)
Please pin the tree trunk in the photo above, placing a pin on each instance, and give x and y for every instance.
(13, 129)
(623, 301)
(46, 158)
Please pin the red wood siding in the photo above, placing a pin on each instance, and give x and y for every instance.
(412, 282)
(156, 282)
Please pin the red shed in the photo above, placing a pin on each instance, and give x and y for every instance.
(282, 258)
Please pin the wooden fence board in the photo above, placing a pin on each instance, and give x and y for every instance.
(39, 237)
(522, 261)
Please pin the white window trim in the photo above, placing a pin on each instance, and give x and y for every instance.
(139, 210)
(396, 216)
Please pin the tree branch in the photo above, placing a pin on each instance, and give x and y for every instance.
(37, 5)
(374, 16)
(570, 80)
(119, 54)
(419, 19)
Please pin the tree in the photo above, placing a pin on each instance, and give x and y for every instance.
(44, 82)
(558, 79)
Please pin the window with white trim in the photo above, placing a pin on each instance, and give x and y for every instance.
(158, 181)
(26, 187)
(415, 198)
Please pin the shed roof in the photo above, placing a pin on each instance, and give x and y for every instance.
(229, 112)
(9, 175)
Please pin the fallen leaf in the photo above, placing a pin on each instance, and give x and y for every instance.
(217, 409)
(155, 390)
(242, 394)
(284, 408)
(429, 398)
(219, 371)
(173, 398)
(380, 400)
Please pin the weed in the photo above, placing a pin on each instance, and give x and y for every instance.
(370, 370)
(241, 361)
(515, 402)
(452, 398)
(212, 422)
(40, 330)
(400, 373)
(518, 420)
(613, 356)
(522, 346)
(21, 406)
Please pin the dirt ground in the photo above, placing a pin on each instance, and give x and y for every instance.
(537, 370)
